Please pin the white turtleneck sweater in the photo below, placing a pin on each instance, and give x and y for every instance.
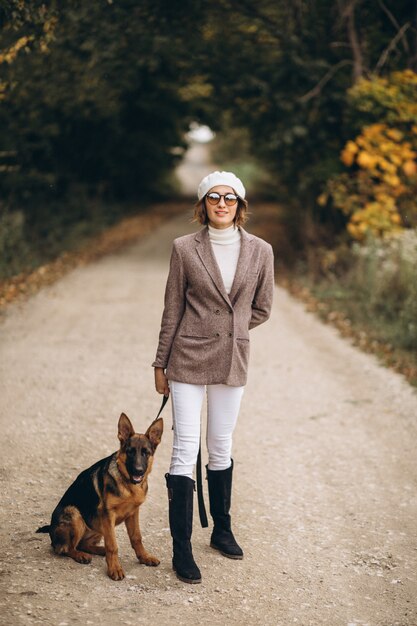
(225, 243)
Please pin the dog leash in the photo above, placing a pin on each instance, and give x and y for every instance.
(164, 401)
(201, 507)
(200, 498)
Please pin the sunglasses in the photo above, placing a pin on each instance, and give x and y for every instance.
(229, 198)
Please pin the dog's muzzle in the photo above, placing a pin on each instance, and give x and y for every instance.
(137, 477)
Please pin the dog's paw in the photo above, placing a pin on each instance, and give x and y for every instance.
(116, 573)
(148, 559)
(81, 557)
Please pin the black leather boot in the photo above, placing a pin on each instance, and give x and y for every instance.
(220, 490)
(181, 496)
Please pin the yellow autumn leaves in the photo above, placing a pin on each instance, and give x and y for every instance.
(382, 151)
(387, 161)
(382, 174)
(24, 44)
(9, 55)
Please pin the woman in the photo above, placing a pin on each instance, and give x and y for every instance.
(220, 285)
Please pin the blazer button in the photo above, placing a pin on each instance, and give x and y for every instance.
(230, 334)
(217, 335)
(217, 311)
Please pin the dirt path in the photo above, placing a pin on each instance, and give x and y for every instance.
(325, 452)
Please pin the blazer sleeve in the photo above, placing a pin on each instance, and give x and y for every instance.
(262, 302)
(174, 306)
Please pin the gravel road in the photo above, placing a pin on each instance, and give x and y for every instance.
(325, 456)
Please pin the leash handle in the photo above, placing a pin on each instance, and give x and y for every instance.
(164, 401)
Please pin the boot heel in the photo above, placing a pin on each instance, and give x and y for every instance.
(191, 581)
(237, 556)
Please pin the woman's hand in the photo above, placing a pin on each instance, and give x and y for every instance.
(161, 381)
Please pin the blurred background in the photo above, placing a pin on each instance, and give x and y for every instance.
(109, 106)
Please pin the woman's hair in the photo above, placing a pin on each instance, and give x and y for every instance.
(200, 213)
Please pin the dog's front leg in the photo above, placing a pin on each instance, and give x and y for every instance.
(114, 568)
(133, 530)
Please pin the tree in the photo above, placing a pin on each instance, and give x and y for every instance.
(93, 106)
(94, 97)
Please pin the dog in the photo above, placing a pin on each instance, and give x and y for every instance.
(104, 495)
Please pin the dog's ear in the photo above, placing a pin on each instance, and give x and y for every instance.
(154, 432)
(126, 429)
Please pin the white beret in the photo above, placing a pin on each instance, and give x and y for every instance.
(220, 178)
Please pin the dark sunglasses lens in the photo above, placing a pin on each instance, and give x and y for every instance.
(230, 199)
(213, 198)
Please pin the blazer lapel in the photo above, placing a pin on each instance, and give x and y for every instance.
(206, 255)
(243, 264)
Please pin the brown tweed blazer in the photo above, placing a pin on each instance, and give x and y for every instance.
(204, 337)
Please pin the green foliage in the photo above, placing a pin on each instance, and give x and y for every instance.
(390, 99)
(95, 96)
(373, 285)
(15, 252)
(90, 109)
(264, 90)
(282, 71)
(94, 104)
(101, 93)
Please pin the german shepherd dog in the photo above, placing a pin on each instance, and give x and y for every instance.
(104, 495)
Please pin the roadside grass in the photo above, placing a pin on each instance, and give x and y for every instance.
(26, 244)
(368, 292)
(41, 233)
(350, 314)
(85, 250)
(374, 302)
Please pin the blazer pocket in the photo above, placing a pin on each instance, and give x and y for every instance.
(188, 336)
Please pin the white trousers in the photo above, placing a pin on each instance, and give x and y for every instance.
(223, 403)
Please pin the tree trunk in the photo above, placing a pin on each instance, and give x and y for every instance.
(413, 60)
(349, 14)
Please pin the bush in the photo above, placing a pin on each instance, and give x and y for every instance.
(377, 192)
(383, 278)
(15, 251)
(27, 240)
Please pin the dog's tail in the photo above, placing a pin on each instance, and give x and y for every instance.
(43, 529)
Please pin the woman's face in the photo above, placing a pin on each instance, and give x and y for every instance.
(221, 215)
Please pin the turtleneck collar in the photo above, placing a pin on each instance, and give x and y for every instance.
(224, 236)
